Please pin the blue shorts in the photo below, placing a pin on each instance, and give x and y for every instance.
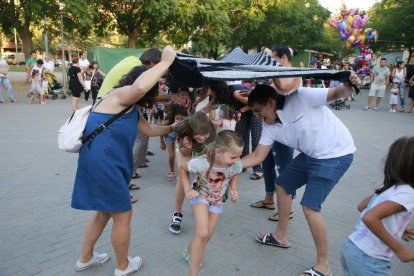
(319, 175)
(218, 209)
(170, 138)
(355, 262)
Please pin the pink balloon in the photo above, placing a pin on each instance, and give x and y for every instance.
(368, 57)
(333, 23)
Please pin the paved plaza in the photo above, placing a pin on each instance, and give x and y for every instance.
(40, 234)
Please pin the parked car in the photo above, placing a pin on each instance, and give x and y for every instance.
(14, 59)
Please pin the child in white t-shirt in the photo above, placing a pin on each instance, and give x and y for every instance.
(394, 96)
(224, 118)
(384, 218)
(35, 88)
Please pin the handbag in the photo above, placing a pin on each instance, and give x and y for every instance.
(70, 134)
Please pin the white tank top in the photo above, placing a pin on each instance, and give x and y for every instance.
(398, 76)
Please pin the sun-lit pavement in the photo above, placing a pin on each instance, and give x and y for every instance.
(41, 234)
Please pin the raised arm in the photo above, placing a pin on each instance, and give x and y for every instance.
(130, 94)
(152, 130)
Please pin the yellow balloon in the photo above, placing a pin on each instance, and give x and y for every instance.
(362, 37)
(348, 45)
(350, 20)
(356, 32)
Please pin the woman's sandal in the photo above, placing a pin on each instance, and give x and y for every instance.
(275, 216)
(135, 176)
(133, 198)
(256, 176)
(133, 186)
(313, 272)
(263, 204)
(268, 239)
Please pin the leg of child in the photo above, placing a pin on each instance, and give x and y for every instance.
(179, 191)
(32, 97)
(171, 156)
(206, 223)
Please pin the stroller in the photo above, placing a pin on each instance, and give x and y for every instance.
(55, 88)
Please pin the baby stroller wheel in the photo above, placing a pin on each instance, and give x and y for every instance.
(63, 96)
(348, 106)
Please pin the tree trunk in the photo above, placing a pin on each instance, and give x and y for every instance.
(27, 40)
(132, 38)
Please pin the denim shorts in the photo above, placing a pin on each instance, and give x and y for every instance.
(218, 209)
(170, 138)
(355, 262)
(319, 175)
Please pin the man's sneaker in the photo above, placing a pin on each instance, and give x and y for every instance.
(376, 108)
(97, 259)
(1, 101)
(12, 100)
(367, 108)
(133, 265)
(175, 226)
(391, 110)
(186, 257)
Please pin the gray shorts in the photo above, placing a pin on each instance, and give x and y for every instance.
(377, 90)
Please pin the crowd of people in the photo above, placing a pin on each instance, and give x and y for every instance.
(212, 142)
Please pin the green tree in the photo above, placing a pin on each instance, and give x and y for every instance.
(139, 20)
(394, 20)
(24, 15)
(297, 23)
(203, 23)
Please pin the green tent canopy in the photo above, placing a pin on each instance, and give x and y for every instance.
(109, 57)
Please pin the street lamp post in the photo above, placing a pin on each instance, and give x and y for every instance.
(63, 52)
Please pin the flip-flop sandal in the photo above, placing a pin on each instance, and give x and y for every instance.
(277, 214)
(263, 205)
(143, 166)
(133, 187)
(268, 239)
(256, 176)
(136, 175)
(313, 272)
(133, 198)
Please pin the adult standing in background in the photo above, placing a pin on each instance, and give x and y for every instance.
(30, 62)
(48, 63)
(5, 81)
(380, 78)
(76, 83)
(83, 62)
(398, 75)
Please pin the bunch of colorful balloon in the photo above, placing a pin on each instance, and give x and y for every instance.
(351, 23)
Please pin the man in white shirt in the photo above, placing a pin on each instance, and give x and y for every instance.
(83, 62)
(48, 64)
(5, 81)
(302, 120)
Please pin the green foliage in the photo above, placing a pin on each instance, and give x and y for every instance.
(297, 23)
(394, 20)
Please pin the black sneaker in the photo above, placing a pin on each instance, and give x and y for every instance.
(175, 226)
(150, 153)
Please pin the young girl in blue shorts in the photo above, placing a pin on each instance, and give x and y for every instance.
(176, 114)
(193, 135)
(384, 218)
(216, 176)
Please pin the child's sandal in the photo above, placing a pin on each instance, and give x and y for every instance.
(171, 176)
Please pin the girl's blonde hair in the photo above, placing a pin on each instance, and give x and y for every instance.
(225, 140)
(198, 123)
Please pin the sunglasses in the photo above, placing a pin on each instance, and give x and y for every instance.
(217, 180)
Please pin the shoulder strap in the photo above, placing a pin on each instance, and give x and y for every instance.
(103, 126)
